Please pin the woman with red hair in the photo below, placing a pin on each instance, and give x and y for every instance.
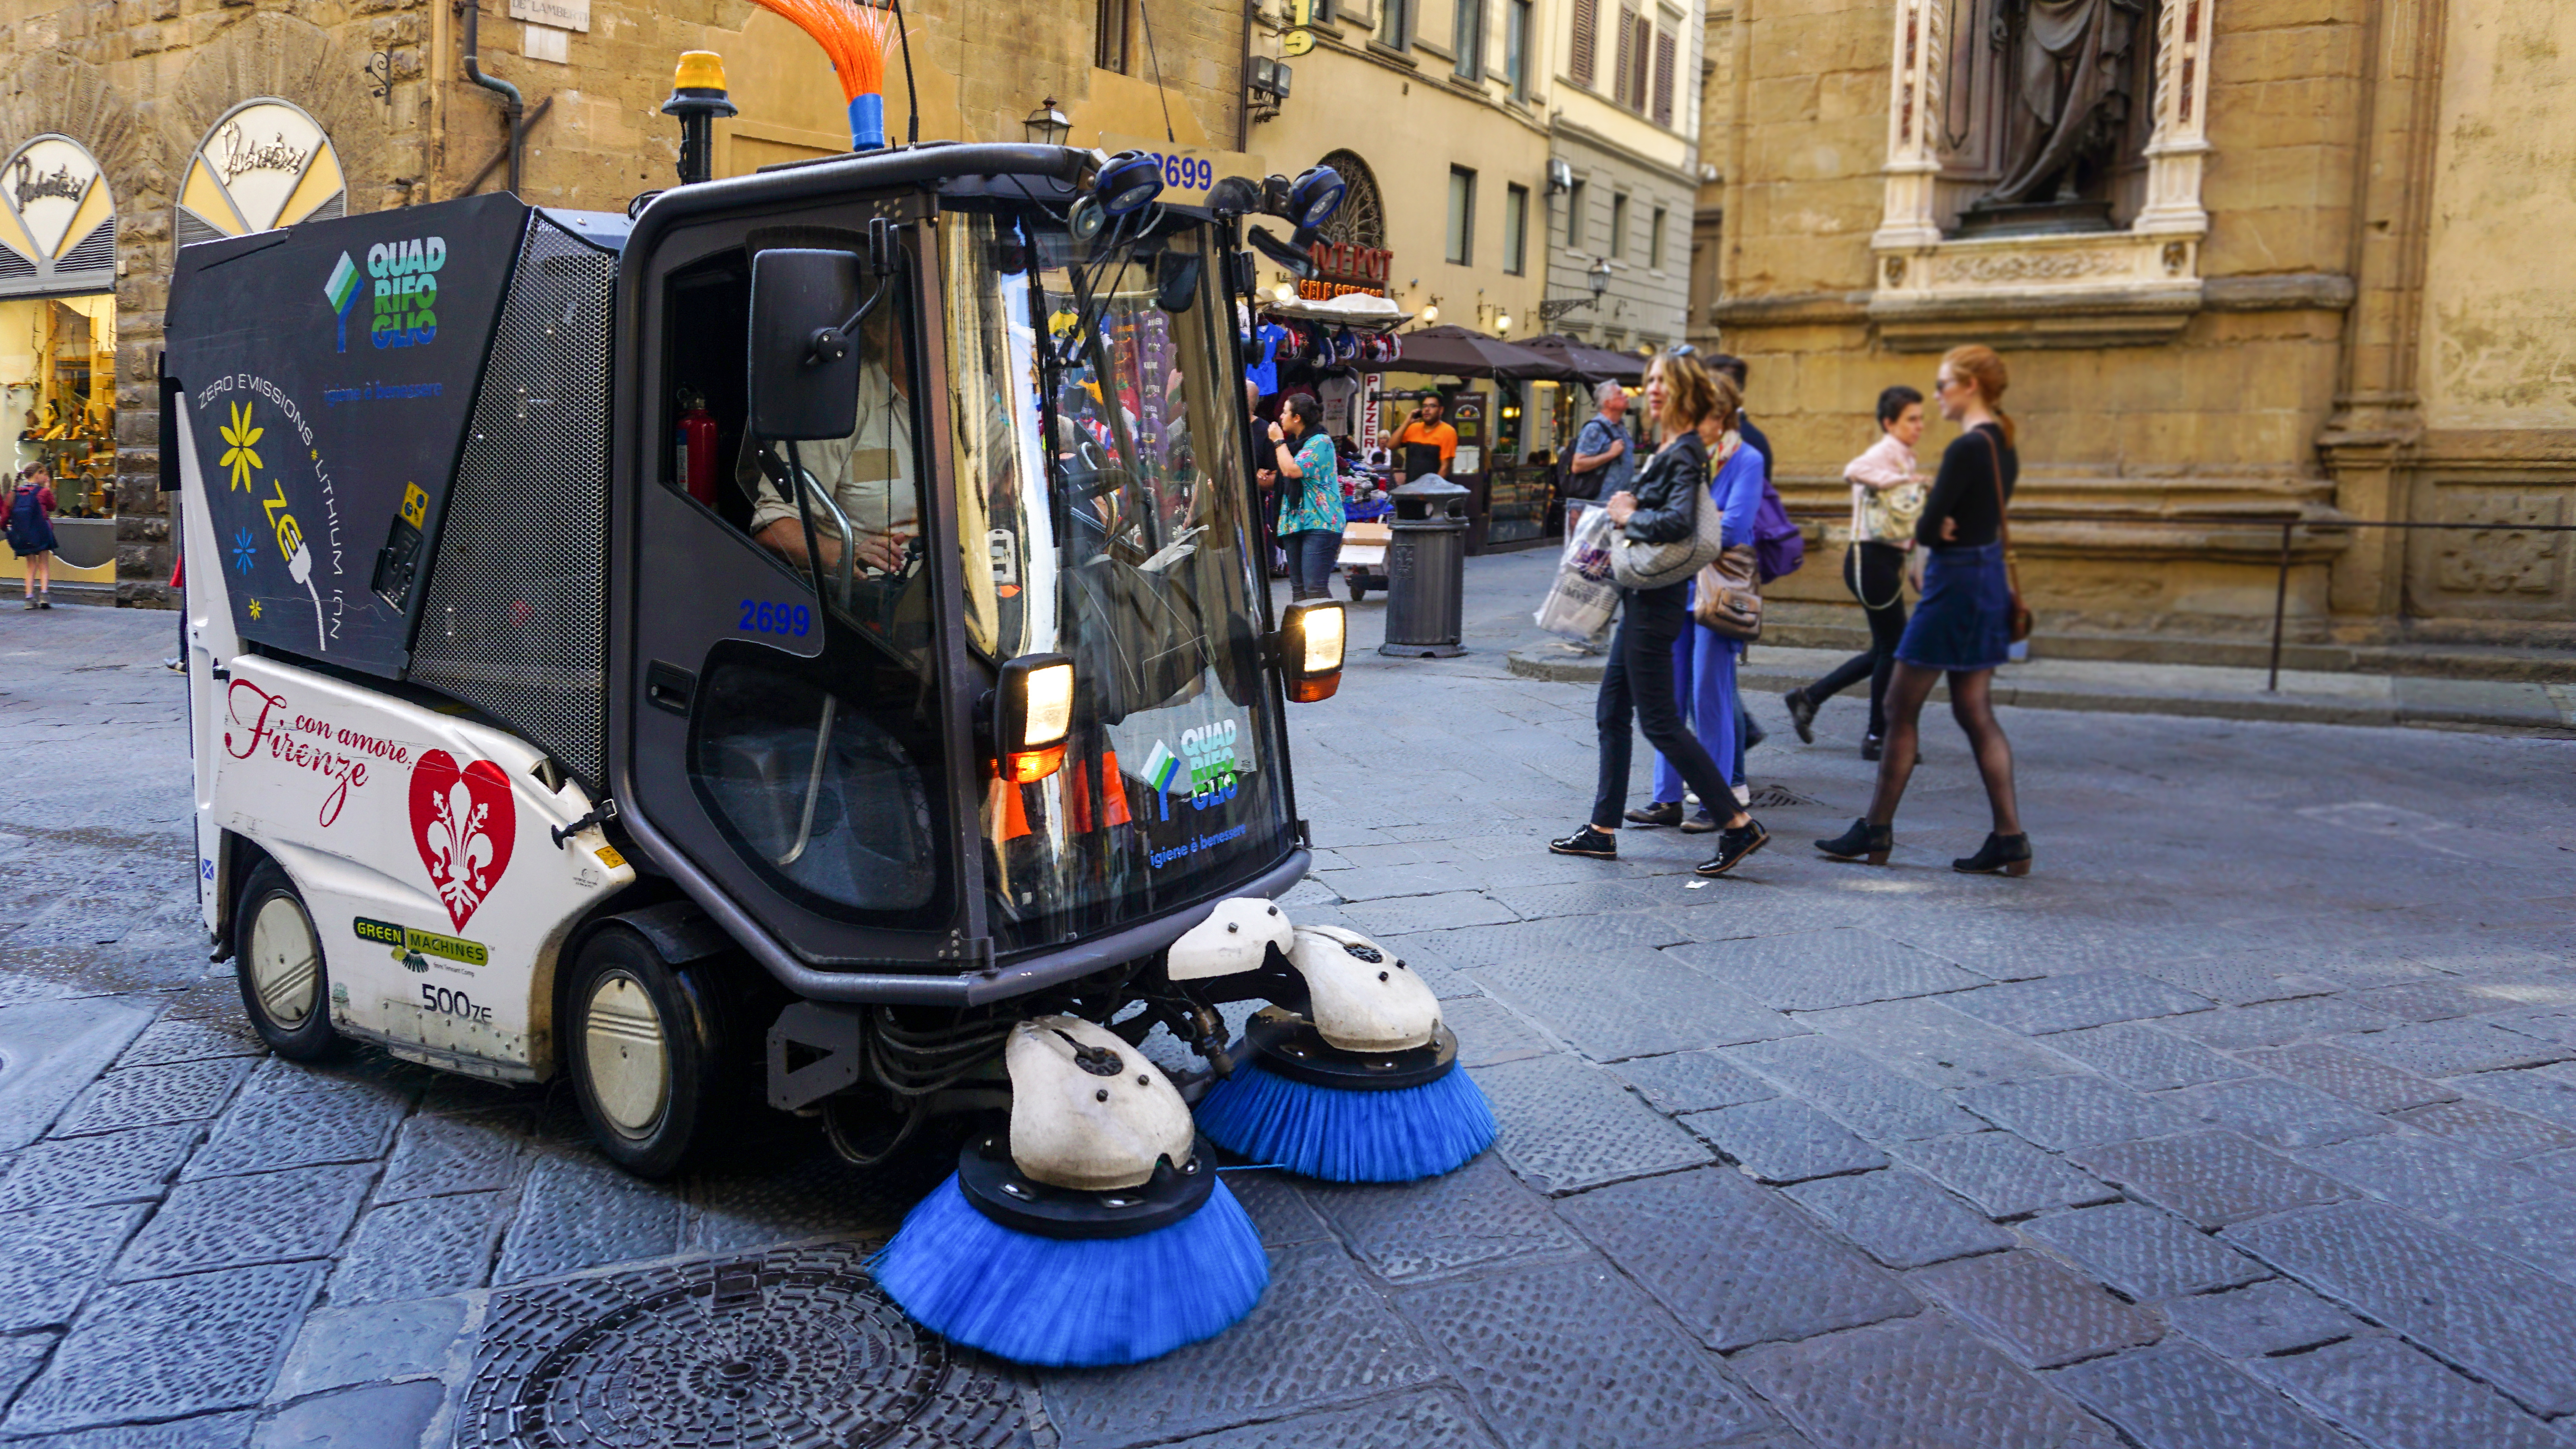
(1964, 622)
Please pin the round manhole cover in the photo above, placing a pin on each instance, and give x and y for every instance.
(793, 1348)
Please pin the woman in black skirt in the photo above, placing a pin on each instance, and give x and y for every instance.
(1963, 623)
(1638, 680)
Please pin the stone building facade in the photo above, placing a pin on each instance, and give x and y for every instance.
(2299, 278)
(1623, 131)
(360, 105)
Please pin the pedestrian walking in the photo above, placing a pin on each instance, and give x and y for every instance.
(31, 531)
(1637, 684)
(1704, 660)
(1310, 506)
(1887, 499)
(1965, 620)
(1603, 463)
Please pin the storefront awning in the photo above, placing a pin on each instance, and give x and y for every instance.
(1456, 351)
(1591, 364)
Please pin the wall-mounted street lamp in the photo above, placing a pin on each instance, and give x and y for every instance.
(1047, 126)
(1596, 276)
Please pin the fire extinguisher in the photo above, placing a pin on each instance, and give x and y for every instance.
(696, 448)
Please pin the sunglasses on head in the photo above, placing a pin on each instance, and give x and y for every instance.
(1681, 349)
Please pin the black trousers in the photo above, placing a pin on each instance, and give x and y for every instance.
(1875, 574)
(1638, 683)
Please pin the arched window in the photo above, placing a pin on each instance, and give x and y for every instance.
(57, 221)
(265, 164)
(1362, 219)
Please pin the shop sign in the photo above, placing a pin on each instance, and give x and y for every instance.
(266, 164)
(57, 221)
(1345, 267)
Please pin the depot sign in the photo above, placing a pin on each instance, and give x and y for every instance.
(1351, 265)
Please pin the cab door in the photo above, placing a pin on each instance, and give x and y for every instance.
(794, 723)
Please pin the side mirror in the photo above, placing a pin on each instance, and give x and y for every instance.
(1310, 649)
(1032, 716)
(1290, 259)
(798, 391)
(1176, 280)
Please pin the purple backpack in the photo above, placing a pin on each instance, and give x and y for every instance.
(1778, 547)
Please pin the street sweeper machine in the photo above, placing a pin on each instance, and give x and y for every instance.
(806, 644)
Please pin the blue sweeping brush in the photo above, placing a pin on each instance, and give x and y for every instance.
(1073, 1302)
(1095, 1233)
(1344, 1116)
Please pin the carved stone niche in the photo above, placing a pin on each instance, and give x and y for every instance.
(2117, 288)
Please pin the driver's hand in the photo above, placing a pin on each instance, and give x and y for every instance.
(883, 552)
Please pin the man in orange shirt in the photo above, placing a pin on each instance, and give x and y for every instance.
(1427, 444)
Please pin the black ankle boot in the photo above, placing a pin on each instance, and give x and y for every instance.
(2000, 855)
(1871, 746)
(1862, 841)
(1802, 714)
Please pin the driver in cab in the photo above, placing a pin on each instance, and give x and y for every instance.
(869, 474)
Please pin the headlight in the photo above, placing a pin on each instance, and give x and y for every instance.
(1311, 636)
(1315, 197)
(1033, 715)
(1127, 181)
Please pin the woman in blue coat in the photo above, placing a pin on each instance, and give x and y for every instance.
(1703, 659)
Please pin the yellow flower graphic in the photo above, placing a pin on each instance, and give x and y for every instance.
(239, 457)
(254, 608)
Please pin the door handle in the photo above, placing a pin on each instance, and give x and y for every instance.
(669, 687)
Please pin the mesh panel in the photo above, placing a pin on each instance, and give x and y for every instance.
(514, 622)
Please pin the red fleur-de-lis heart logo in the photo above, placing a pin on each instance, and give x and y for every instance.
(464, 822)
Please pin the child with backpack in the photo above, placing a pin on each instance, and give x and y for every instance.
(31, 531)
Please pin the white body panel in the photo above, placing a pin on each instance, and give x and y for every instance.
(1364, 999)
(421, 844)
(1085, 1130)
(1236, 937)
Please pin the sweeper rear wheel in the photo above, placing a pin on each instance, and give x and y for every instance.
(285, 985)
(644, 1042)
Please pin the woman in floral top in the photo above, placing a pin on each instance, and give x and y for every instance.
(1310, 515)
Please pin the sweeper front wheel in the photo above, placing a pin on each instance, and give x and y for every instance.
(285, 984)
(644, 1042)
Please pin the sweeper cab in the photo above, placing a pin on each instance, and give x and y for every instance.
(809, 638)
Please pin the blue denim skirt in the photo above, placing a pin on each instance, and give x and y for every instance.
(1964, 621)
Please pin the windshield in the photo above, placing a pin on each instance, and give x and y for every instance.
(1104, 513)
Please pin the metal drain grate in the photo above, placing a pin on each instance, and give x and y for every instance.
(1779, 797)
(795, 1349)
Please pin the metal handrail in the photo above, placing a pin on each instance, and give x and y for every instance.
(2289, 530)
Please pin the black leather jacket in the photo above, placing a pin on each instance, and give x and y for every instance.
(1665, 508)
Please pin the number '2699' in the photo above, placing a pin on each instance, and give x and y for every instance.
(762, 617)
(1187, 173)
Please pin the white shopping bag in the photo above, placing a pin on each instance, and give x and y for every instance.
(1583, 596)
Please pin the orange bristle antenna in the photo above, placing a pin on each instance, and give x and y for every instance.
(855, 36)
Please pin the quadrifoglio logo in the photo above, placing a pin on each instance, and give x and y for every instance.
(406, 290)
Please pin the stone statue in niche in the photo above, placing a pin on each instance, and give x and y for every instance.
(2069, 67)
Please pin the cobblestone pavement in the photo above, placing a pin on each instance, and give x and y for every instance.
(2248, 1119)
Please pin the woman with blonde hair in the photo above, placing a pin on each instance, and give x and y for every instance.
(1638, 681)
(1963, 623)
